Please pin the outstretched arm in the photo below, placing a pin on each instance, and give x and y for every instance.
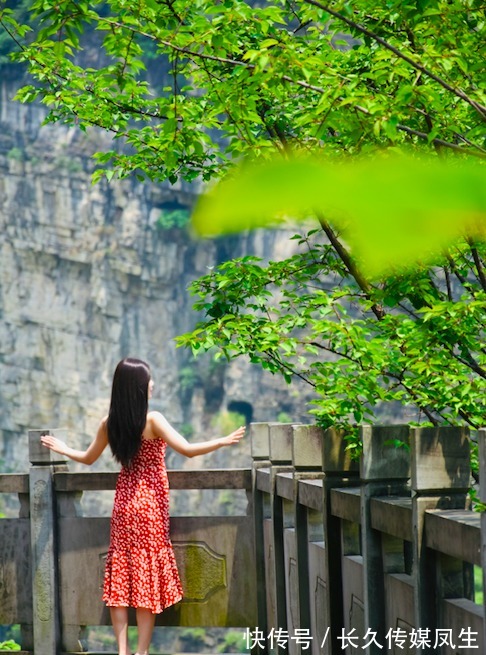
(88, 456)
(163, 429)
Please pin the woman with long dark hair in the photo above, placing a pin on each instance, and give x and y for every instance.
(141, 570)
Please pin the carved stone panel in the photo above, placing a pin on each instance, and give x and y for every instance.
(202, 570)
(215, 560)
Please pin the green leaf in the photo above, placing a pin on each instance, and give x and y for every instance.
(393, 210)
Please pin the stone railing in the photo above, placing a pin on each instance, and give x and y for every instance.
(333, 556)
(376, 557)
(52, 556)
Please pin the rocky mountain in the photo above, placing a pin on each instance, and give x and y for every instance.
(88, 275)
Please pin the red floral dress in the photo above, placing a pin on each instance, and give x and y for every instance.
(141, 569)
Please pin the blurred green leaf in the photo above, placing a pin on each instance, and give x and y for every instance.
(392, 210)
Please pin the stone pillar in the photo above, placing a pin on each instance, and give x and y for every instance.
(384, 470)
(440, 468)
(339, 470)
(305, 456)
(45, 591)
(280, 441)
(272, 453)
(260, 452)
(307, 447)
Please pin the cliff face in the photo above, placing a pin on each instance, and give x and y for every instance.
(87, 277)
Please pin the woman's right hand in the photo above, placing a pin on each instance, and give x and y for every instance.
(234, 437)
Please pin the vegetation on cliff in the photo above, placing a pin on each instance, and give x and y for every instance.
(255, 81)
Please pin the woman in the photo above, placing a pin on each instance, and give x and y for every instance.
(141, 570)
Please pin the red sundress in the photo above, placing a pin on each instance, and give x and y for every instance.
(141, 569)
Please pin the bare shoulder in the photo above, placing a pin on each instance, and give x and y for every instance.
(155, 417)
(155, 426)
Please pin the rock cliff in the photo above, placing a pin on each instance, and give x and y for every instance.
(87, 276)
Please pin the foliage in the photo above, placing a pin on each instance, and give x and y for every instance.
(255, 81)
(417, 338)
(193, 639)
(178, 218)
(478, 585)
(16, 154)
(9, 645)
(188, 377)
(233, 643)
(448, 200)
(10, 635)
(226, 422)
(187, 430)
(19, 11)
(283, 417)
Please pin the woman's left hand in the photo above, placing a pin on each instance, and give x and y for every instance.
(53, 443)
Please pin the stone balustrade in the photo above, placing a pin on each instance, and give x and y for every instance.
(374, 556)
(52, 556)
(333, 555)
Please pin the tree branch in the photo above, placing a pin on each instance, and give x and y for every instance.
(448, 284)
(351, 267)
(398, 378)
(478, 263)
(275, 358)
(463, 280)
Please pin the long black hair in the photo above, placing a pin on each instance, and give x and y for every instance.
(128, 409)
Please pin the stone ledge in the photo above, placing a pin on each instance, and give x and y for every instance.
(455, 532)
(346, 504)
(14, 483)
(178, 479)
(392, 515)
(264, 480)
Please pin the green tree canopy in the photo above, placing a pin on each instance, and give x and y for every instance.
(255, 81)
(257, 78)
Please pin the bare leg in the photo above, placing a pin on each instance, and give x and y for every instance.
(119, 620)
(145, 625)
